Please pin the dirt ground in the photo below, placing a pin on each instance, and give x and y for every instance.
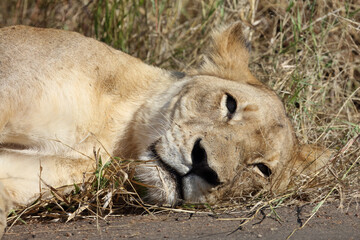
(330, 222)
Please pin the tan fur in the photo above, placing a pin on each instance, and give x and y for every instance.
(62, 95)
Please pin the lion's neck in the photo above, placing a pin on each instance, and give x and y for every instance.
(147, 117)
(134, 89)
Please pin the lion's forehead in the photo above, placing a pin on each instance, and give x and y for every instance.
(202, 97)
(255, 116)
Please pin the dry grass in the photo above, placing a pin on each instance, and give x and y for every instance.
(307, 51)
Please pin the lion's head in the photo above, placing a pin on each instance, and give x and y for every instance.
(218, 128)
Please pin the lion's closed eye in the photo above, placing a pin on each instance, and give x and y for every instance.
(263, 169)
(228, 106)
(231, 105)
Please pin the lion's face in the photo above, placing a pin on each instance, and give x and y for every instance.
(211, 131)
(218, 130)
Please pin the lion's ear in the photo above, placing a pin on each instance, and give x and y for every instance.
(310, 159)
(307, 160)
(228, 57)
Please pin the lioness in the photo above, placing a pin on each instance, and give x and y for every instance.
(214, 129)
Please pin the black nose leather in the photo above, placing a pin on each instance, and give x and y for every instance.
(200, 166)
(198, 153)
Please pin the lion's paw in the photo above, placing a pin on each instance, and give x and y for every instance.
(4, 206)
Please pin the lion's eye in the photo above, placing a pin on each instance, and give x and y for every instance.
(230, 105)
(263, 169)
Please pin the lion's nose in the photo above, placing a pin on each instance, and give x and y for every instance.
(200, 166)
(198, 153)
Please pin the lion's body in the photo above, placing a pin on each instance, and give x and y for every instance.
(62, 95)
(60, 102)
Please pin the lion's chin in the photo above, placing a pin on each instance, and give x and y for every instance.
(164, 187)
(167, 187)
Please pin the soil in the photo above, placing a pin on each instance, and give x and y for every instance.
(329, 222)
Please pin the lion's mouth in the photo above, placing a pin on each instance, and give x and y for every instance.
(200, 168)
(172, 172)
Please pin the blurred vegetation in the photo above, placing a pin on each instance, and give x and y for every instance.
(307, 51)
(160, 32)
